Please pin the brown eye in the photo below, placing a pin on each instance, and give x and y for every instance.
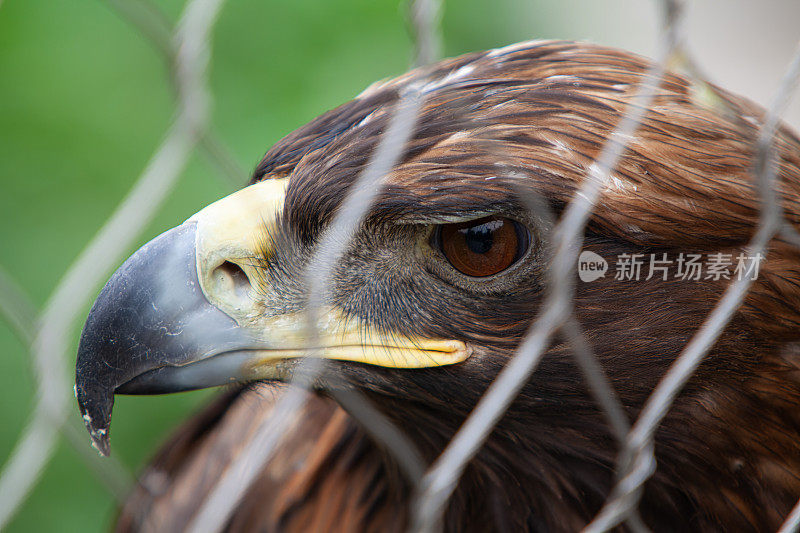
(483, 247)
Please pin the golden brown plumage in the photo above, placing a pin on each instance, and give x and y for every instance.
(532, 116)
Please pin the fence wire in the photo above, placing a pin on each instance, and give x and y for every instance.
(226, 494)
(103, 253)
(185, 49)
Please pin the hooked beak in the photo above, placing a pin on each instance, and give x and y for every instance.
(183, 313)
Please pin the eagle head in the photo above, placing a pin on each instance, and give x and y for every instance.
(439, 283)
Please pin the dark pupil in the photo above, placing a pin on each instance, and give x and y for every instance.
(479, 239)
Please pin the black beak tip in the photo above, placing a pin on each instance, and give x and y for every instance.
(150, 319)
(95, 408)
(101, 443)
(123, 331)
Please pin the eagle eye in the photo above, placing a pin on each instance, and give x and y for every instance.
(482, 247)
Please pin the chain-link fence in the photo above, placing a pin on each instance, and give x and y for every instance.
(186, 48)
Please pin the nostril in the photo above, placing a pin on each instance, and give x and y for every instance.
(231, 279)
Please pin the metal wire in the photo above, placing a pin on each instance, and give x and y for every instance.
(590, 368)
(155, 28)
(226, 495)
(424, 18)
(36, 445)
(185, 50)
(17, 309)
(20, 312)
(792, 522)
(441, 479)
(318, 274)
(637, 463)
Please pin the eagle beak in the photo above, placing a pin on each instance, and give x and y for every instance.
(183, 313)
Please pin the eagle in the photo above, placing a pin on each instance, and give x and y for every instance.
(436, 290)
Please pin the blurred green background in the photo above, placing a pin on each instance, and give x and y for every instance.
(85, 99)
